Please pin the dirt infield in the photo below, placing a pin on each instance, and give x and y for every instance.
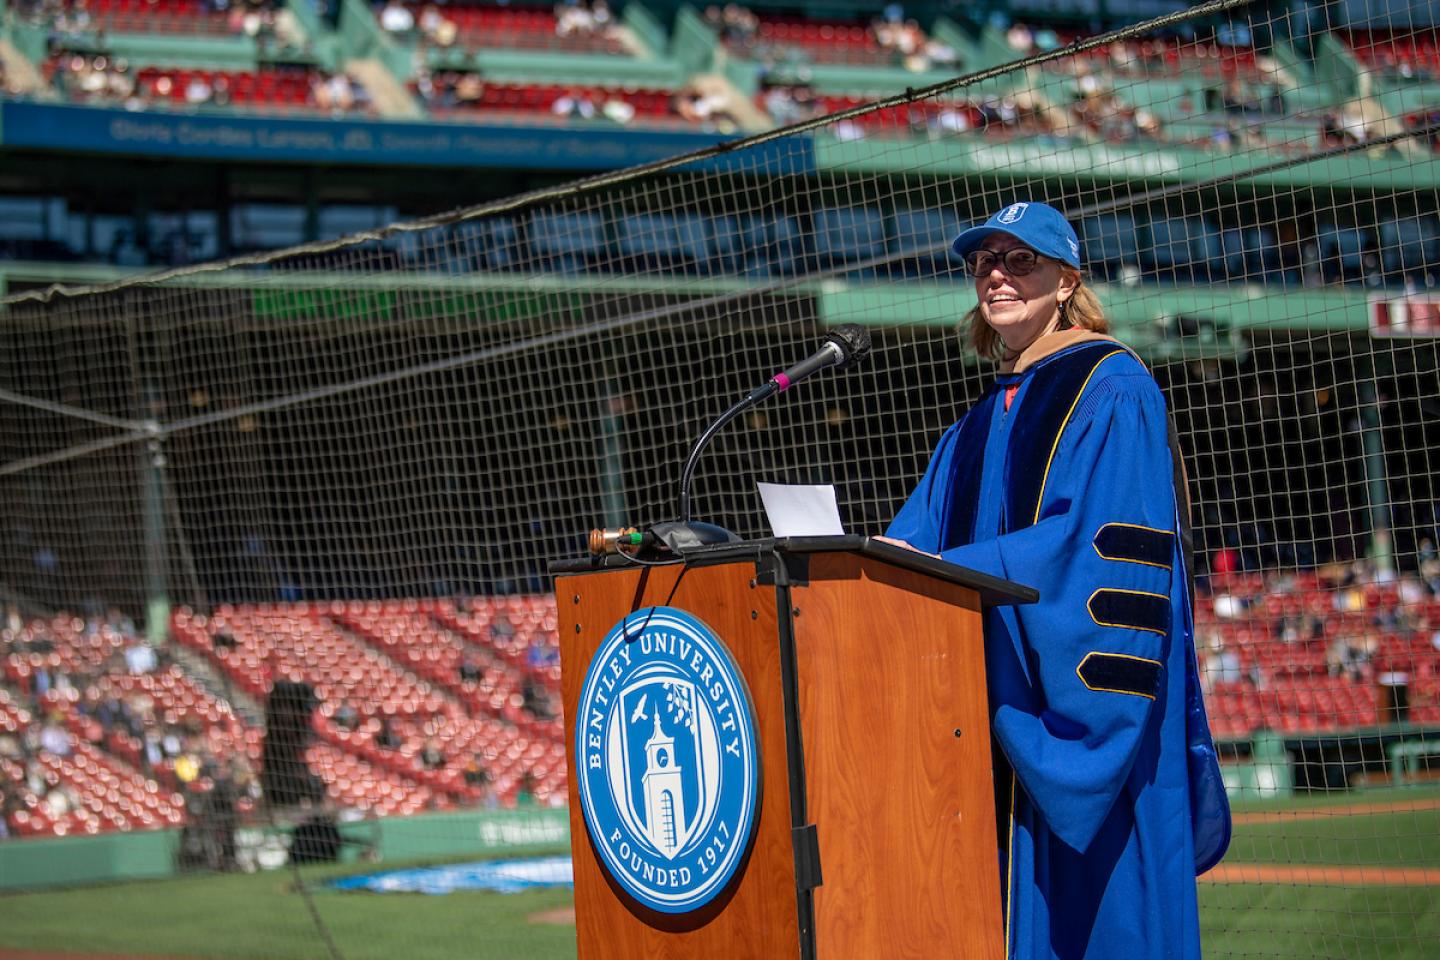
(560, 915)
(1316, 875)
(1349, 810)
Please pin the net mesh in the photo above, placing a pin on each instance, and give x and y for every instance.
(348, 466)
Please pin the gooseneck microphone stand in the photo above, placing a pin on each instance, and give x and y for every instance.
(843, 346)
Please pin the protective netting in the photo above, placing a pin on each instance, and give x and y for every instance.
(368, 452)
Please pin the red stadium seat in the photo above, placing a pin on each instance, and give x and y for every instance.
(819, 41)
(486, 26)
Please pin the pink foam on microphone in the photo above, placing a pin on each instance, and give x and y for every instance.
(782, 381)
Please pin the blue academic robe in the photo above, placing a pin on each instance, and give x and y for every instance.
(1109, 800)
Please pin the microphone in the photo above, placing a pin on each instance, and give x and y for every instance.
(843, 346)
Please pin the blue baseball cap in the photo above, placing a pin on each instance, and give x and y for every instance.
(1039, 226)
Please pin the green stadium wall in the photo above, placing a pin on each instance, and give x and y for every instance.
(47, 862)
(71, 861)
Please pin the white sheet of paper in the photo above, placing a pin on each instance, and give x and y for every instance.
(801, 510)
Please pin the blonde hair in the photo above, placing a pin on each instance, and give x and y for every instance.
(1081, 310)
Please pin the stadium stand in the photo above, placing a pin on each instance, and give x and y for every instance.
(452, 94)
(1152, 56)
(1306, 653)
(573, 27)
(100, 79)
(187, 17)
(147, 54)
(435, 704)
(1396, 54)
(747, 34)
(65, 785)
(95, 737)
(1217, 91)
(998, 118)
(1213, 93)
(888, 40)
(312, 644)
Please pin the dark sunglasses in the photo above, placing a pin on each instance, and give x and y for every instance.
(1018, 261)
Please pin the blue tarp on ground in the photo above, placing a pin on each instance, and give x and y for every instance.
(504, 876)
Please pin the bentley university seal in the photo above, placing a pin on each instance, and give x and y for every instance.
(669, 774)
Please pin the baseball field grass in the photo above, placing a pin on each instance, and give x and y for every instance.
(1353, 877)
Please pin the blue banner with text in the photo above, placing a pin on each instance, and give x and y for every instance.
(379, 143)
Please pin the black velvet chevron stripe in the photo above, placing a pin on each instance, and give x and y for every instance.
(1122, 541)
(1127, 608)
(1049, 400)
(958, 526)
(1114, 673)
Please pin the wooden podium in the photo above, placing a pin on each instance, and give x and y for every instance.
(875, 831)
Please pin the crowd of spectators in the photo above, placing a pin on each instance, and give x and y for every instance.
(1244, 92)
(467, 90)
(79, 703)
(998, 116)
(1239, 100)
(579, 103)
(47, 736)
(1359, 622)
(1244, 88)
(91, 686)
(338, 92)
(582, 18)
(898, 40)
(449, 89)
(98, 78)
(737, 27)
(697, 107)
(9, 86)
(1229, 48)
(1100, 110)
(431, 756)
(1399, 57)
(909, 46)
(76, 21)
(80, 66)
(437, 25)
(789, 101)
(708, 109)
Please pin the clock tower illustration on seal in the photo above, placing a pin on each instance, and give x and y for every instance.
(667, 765)
(664, 792)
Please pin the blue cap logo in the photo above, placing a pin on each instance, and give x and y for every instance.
(668, 769)
(1012, 213)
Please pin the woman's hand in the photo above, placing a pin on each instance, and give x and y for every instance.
(905, 546)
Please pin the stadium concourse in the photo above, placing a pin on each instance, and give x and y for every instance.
(437, 704)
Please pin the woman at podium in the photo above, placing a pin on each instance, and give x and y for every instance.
(1064, 477)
